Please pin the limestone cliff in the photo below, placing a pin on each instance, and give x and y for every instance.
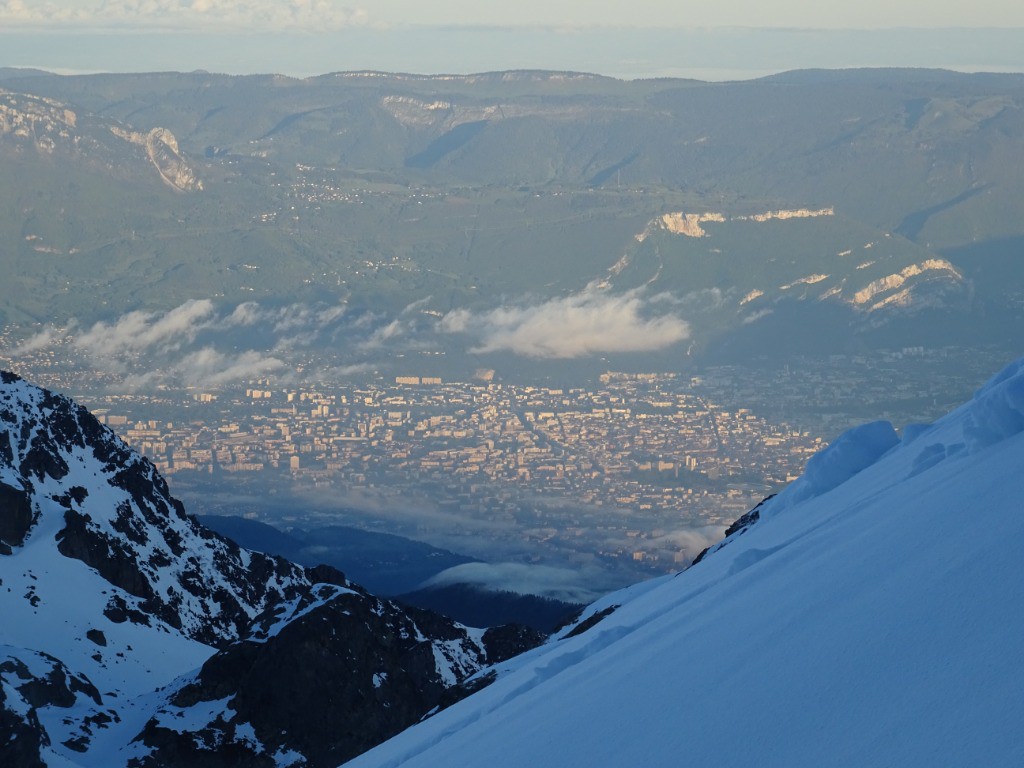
(162, 150)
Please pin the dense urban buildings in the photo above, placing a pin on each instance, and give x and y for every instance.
(634, 471)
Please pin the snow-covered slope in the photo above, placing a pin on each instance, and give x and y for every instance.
(130, 632)
(92, 539)
(871, 614)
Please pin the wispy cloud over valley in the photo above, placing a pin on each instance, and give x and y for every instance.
(590, 322)
(201, 344)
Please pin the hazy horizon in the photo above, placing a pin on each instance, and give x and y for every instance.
(719, 53)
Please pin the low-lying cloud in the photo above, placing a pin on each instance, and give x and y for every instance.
(690, 540)
(590, 322)
(542, 580)
(138, 331)
(204, 368)
(753, 317)
(201, 344)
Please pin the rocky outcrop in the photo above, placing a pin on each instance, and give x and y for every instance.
(738, 526)
(326, 676)
(30, 684)
(301, 666)
(24, 738)
(785, 214)
(162, 150)
(51, 128)
(896, 288)
(16, 516)
(129, 529)
(42, 122)
(688, 224)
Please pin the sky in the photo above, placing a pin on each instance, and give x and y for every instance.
(642, 38)
(315, 15)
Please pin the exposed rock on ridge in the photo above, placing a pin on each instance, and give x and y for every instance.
(328, 675)
(51, 128)
(133, 533)
(162, 151)
(111, 590)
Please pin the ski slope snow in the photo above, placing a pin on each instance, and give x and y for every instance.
(872, 616)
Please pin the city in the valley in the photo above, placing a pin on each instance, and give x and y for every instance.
(632, 474)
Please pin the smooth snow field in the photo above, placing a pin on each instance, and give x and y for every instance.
(874, 616)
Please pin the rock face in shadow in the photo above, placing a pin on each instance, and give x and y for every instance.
(16, 516)
(304, 666)
(120, 519)
(327, 676)
(30, 682)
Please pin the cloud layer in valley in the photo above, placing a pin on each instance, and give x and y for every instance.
(689, 540)
(544, 580)
(200, 344)
(590, 322)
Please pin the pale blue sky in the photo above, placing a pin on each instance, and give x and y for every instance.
(320, 14)
(639, 38)
(686, 13)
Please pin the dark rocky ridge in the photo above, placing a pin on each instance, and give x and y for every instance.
(345, 672)
(23, 693)
(309, 665)
(738, 526)
(146, 540)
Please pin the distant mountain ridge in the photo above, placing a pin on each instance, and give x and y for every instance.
(382, 190)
